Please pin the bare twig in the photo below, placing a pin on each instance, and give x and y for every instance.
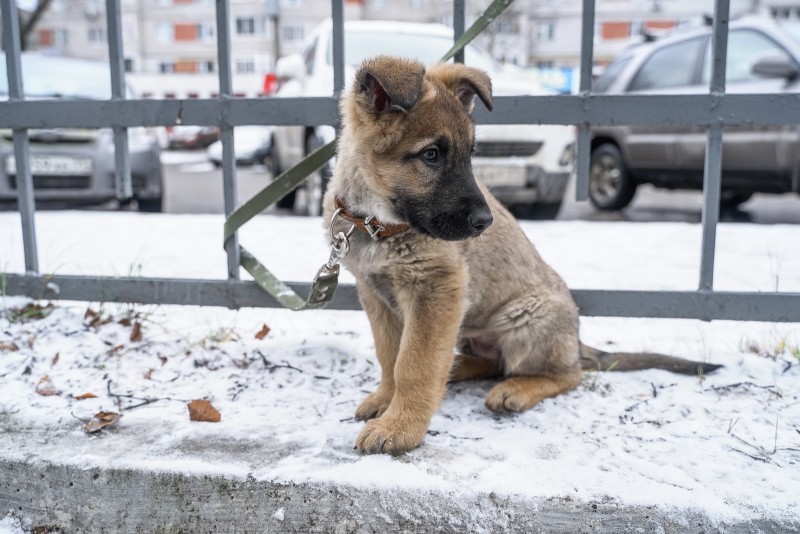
(771, 389)
(144, 400)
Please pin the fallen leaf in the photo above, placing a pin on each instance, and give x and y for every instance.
(148, 375)
(201, 410)
(114, 350)
(100, 421)
(85, 396)
(10, 347)
(46, 388)
(55, 358)
(136, 332)
(164, 360)
(263, 332)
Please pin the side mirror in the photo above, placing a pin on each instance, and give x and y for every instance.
(776, 66)
(291, 67)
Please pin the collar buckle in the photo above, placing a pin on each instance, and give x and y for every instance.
(374, 230)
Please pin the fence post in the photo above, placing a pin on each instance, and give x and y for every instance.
(25, 198)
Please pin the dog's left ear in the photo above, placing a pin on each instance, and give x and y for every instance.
(464, 82)
(390, 83)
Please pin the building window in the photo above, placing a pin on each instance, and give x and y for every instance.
(205, 67)
(291, 4)
(97, 35)
(60, 38)
(166, 67)
(545, 31)
(205, 31)
(129, 64)
(506, 26)
(292, 33)
(164, 32)
(377, 4)
(251, 25)
(245, 65)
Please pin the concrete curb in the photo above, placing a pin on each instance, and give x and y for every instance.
(71, 499)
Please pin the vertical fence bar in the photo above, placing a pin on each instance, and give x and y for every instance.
(712, 177)
(122, 160)
(25, 195)
(459, 26)
(337, 14)
(228, 155)
(584, 142)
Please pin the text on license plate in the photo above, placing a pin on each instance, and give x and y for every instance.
(501, 176)
(54, 166)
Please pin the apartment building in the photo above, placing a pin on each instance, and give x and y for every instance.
(178, 37)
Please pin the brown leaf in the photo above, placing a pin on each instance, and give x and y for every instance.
(55, 358)
(201, 410)
(136, 332)
(115, 349)
(85, 396)
(148, 375)
(10, 346)
(100, 421)
(263, 332)
(46, 388)
(164, 360)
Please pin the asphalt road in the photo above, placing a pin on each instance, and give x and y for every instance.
(193, 185)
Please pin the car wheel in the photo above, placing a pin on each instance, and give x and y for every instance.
(150, 205)
(273, 166)
(610, 185)
(536, 212)
(316, 184)
(731, 201)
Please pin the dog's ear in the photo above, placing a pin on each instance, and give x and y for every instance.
(464, 82)
(389, 83)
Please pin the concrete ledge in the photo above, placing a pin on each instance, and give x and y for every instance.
(70, 499)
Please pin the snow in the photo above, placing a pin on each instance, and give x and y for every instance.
(726, 445)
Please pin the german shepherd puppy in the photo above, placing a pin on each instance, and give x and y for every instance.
(452, 287)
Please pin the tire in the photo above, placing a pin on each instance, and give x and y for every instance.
(317, 183)
(273, 166)
(610, 185)
(536, 212)
(731, 201)
(150, 205)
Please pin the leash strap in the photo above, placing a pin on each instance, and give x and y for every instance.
(324, 284)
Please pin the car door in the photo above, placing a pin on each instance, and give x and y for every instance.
(762, 148)
(670, 69)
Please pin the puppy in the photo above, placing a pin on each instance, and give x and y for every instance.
(452, 287)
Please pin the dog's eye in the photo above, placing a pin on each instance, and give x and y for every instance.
(431, 155)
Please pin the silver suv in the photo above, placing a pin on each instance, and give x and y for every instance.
(763, 57)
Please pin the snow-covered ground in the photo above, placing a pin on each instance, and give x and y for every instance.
(727, 445)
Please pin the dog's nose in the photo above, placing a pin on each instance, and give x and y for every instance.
(480, 220)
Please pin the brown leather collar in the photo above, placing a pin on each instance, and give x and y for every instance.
(371, 226)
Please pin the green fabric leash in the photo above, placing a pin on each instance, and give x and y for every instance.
(327, 278)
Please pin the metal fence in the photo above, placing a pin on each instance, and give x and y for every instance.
(712, 110)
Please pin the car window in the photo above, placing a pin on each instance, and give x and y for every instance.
(57, 77)
(745, 48)
(792, 29)
(602, 83)
(426, 48)
(309, 55)
(671, 66)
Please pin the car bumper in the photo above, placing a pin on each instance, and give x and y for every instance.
(522, 183)
(97, 187)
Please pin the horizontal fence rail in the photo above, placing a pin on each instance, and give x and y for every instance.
(712, 305)
(600, 110)
(714, 110)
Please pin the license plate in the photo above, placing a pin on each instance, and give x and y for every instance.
(497, 176)
(54, 166)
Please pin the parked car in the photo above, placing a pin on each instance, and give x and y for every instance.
(76, 165)
(763, 57)
(526, 166)
(191, 137)
(251, 144)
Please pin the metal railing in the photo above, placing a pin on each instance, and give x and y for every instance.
(585, 109)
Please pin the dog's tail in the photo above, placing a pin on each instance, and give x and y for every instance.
(593, 359)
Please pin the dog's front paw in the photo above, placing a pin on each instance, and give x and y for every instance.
(374, 405)
(390, 436)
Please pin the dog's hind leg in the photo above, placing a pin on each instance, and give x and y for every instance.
(387, 329)
(469, 367)
(518, 393)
